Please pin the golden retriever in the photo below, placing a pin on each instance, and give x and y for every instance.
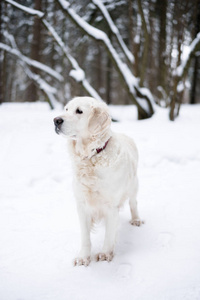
(105, 171)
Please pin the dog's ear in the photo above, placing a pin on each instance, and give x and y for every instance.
(99, 121)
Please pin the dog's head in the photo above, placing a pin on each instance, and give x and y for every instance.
(84, 117)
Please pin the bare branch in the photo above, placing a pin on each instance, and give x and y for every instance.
(30, 11)
(83, 81)
(45, 87)
(180, 75)
(114, 30)
(32, 62)
(41, 83)
(130, 81)
(194, 47)
(76, 68)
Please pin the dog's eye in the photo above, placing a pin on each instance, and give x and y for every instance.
(78, 111)
(66, 109)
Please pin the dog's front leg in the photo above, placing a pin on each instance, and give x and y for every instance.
(111, 223)
(85, 226)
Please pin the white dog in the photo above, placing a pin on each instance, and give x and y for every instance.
(105, 165)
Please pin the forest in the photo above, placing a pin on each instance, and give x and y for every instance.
(141, 52)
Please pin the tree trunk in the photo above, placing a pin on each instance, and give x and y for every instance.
(131, 31)
(180, 77)
(108, 76)
(35, 51)
(196, 58)
(1, 54)
(124, 72)
(172, 114)
(194, 81)
(143, 67)
(152, 57)
(100, 72)
(108, 81)
(162, 10)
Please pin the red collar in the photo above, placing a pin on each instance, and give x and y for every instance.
(101, 149)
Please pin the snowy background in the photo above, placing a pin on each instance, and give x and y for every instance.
(39, 229)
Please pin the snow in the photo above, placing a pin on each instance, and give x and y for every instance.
(131, 81)
(92, 92)
(32, 62)
(137, 39)
(24, 61)
(114, 29)
(98, 34)
(106, 15)
(39, 229)
(187, 54)
(29, 10)
(78, 75)
(180, 87)
(146, 92)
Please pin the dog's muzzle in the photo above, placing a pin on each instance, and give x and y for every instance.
(58, 123)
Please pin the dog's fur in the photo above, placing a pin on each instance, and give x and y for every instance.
(104, 178)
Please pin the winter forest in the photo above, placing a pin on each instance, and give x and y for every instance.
(142, 57)
(141, 52)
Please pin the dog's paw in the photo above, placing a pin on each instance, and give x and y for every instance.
(136, 222)
(79, 261)
(104, 256)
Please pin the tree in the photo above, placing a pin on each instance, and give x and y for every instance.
(1, 53)
(77, 73)
(144, 55)
(162, 14)
(141, 97)
(196, 60)
(120, 51)
(35, 51)
(180, 76)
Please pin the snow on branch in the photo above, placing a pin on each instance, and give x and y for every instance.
(31, 62)
(130, 81)
(114, 30)
(75, 73)
(30, 11)
(42, 84)
(98, 34)
(194, 47)
(92, 31)
(45, 87)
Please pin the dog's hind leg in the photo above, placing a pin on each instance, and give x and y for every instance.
(135, 219)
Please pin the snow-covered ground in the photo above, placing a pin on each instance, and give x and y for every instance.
(39, 229)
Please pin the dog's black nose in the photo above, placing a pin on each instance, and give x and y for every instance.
(58, 121)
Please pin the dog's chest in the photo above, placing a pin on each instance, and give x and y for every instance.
(99, 184)
(90, 181)
(87, 174)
